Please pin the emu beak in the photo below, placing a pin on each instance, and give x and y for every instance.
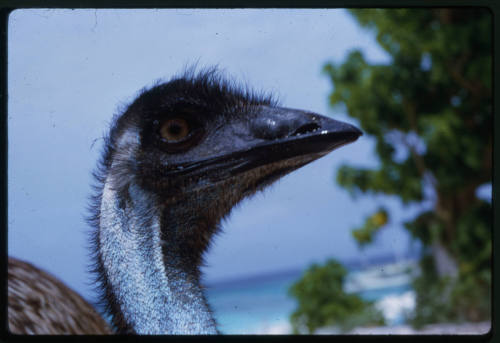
(279, 134)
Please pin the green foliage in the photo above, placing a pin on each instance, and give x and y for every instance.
(365, 234)
(471, 234)
(433, 296)
(430, 112)
(442, 299)
(323, 302)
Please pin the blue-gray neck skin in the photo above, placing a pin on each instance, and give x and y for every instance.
(154, 295)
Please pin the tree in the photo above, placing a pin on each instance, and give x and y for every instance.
(430, 113)
(323, 302)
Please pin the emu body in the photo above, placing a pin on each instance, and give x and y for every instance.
(40, 304)
(175, 163)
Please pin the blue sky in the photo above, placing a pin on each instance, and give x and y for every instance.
(69, 71)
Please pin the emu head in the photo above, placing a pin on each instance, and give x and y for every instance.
(178, 159)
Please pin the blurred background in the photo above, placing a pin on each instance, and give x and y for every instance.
(391, 234)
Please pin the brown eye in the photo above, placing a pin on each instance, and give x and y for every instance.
(174, 130)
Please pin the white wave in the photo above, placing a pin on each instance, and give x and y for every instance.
(383, 276)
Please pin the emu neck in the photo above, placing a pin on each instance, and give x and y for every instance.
(155, 293)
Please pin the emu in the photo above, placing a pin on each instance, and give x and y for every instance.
(174, 163)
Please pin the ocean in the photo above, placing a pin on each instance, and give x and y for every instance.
(261, 305)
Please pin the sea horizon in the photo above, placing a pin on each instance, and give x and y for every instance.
(351, 264)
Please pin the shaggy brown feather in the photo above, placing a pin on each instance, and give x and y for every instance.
(39, 304)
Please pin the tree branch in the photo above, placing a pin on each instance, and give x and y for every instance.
(456, 71)
(411, 112)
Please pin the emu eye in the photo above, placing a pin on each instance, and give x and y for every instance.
(179, 134)
(174, 130)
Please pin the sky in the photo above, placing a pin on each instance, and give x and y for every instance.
(69, 71)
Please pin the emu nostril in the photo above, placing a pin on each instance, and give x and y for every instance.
(307, 128)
